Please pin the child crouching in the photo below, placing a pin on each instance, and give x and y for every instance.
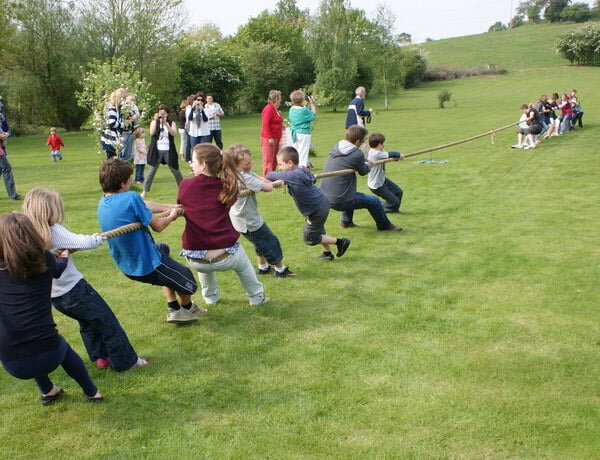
(376, 181)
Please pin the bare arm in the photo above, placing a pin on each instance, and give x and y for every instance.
(158, 224)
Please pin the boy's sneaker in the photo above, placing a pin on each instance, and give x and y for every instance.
(342, 245)
(325, 257)
(264, 300)
(284, 274)
(348, 225)
(180, 316)
(196, 311)
(264, 271)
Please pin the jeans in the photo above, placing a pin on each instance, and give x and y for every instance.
(7, 177)
(362, 201)
(216, 135)
(127, 150)
(565, 123)
(139, 172)
(55, 154)
(266, 244)
(100, 329)
(195, 140)
(109, 150)
(162, 156)
(391, 193)
(240, 264)
(38, 367)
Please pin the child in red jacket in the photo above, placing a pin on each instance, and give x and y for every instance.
(55, 143)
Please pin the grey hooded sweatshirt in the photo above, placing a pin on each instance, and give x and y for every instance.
(342, 189)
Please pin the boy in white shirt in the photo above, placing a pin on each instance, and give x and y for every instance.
(376, 181)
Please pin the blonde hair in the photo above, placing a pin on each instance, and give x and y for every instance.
(297, 97)
(221, 166)
(236, 153)
(44, 207)
(117, 96)
(274, 95)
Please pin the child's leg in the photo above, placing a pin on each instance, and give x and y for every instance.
(74, 367)
(241, 265)
(267, 246)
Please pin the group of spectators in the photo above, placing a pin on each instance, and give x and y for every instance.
(548, 116)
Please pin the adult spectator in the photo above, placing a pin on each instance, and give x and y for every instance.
(197, 119)
(301, 117)
(341, 190)
(271, 131)
(214, 112)
(162, 147)
(131, 117)
(113, 123)
(356, 110)
(5, 167)
(183, 135)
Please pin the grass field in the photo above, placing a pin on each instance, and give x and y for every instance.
(474, 333)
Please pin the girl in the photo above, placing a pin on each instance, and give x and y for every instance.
(139, 157)
(210, 243)
(30, 345)
(566, 113)
(103, 337)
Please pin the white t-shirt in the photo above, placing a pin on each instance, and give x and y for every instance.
(244, 213)
(376, 176)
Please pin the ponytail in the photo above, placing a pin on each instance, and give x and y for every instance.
(223, 167)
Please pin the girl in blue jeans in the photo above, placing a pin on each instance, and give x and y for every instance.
(30, 345)
(105, 340)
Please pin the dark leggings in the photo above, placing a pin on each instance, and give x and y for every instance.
(38, 367)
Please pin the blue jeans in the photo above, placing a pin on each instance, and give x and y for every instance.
(38, 367)
(195, 140)
(139, 172)
(371, 203)
(127, 150)
(7, 176)
(391, 193)
(100, 329)
(266, 244)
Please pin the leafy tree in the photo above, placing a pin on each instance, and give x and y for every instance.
(577, 12)
(206, 37)
(516, 21)
(413, 65)
(531, 9)
(581, 45)
(497, 27)
(404, 38)
(554, 9)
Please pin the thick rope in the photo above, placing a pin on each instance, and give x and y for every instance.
(131, 227)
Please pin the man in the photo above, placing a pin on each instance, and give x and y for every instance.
(356, 110)
(214, 112)
(341, 190)
(5, 168)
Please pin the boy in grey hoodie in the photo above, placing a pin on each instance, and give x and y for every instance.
(341, 190)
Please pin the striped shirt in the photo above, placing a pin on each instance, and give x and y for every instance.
(113, 126)
(64, 239)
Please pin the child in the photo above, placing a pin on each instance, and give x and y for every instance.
(310, 201)
(528, 128)
(135, 253)
(210, 243)
(376, 180)
(247, 220)
(55, 143)
(104, 338)
(139, 157)
(30, 345)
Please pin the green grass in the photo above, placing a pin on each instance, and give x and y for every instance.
(474, 333)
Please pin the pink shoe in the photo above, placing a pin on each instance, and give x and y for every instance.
(102, 363)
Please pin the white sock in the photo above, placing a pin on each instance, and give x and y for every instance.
(280, 270)
(263, 267)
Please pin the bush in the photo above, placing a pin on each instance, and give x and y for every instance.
(413, 66)
(516, 21)
(581, 46)
(577, 12)
(443, 97)
(442, 73)
(497, 27)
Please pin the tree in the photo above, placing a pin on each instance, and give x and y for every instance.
(577, 12)
(554, 9)
(404, 38)
(413, 66)
(516, 21)
(581, 45)
(531, 9)
(497, 27)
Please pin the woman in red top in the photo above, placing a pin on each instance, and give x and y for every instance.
(271, 131)
(210, 243)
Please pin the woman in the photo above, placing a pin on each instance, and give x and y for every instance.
(110, 139)
(162, 147)
(183, 148)
(271, 131)
(30, 345)
(197, 118)
(301, 117)
(210, 243)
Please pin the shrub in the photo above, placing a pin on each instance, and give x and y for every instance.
(497, 27)
(443, 97)
(581, 46)
(442, 73)
(577, 12)
(413, 66)
(516, 21)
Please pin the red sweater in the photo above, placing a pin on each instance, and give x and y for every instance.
(207, 223)
(272, 123)
(55, 142)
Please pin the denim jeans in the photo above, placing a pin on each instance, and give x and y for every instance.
(391, 193)
(266, 244)
(100, 329)
(371, 203)
(38, 367)
(240, 264)
(7, 177)
(139, 172)
(215, 134)
(127, 150)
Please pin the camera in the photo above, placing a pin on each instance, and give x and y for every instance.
(307, 98)
(160, 116)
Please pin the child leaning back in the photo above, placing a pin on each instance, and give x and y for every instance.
(376, 180)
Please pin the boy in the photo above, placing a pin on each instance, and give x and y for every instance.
(310, 201)
(376, 180)
(135, 253)
(55, 143)
(247, 220)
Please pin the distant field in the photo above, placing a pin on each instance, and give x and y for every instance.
(473, 334)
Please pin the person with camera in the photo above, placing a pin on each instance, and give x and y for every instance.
(356, 110)
(198, 127)
(301, 117)
(162, 147)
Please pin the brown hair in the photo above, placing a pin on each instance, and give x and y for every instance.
(356, 133)
(236, 153)
(289, 154)
(297, 97)
(524, 106)
(44, 207)
(137, 133)
(113, 173)
(221, 166)
(21, 247)
(375, 139)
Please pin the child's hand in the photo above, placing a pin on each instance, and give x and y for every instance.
(64, 253)
(277, 183)
(174, 214)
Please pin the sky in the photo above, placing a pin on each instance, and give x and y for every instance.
(421, 18)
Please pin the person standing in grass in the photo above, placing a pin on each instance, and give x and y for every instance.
(135, 253)
(30, 345)
(357, 114)
(214, 113)
(105, 340)
(376, 180)
(55, 143)
(310, 201)
(247, 220)
(271, 131)
(5, 167)
(301, 118)
(140, 155)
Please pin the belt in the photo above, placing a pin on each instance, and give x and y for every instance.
(210, 261)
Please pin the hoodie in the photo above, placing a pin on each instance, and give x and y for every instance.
(341, 190)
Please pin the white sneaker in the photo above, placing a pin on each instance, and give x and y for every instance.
(264, 300)
(516, 146)
(196, 311)
(180, 316)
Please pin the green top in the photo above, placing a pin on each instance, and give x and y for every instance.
(300, 118)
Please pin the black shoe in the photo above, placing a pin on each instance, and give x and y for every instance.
(342, 245)
(392, 228)
(348, 225)
(325, 256)
(49, 399)
(17, 197)
(265, 271)
(284, 274)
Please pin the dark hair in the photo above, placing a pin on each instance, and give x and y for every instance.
(356, 133)
(113, 173)
(164, 107)
(375, 139)
(221, 166)
(524, 106)
(21, 247)
(289, 154)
